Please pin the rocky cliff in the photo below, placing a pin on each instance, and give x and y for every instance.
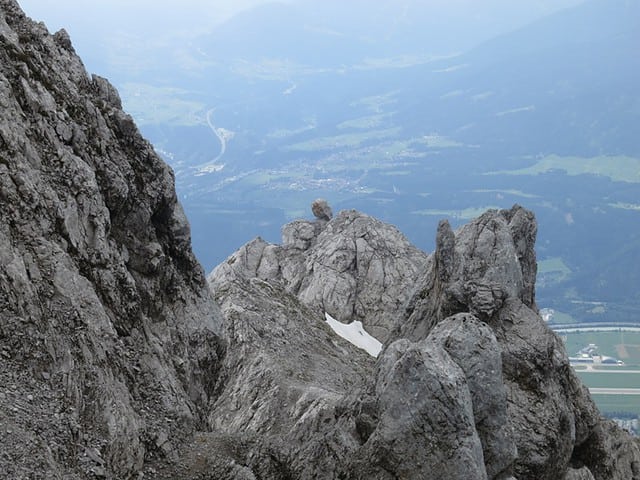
(118, 361)
(109, 338)
(470, 384)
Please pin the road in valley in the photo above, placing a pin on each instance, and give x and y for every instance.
(591, 369)
(223, 135)
(219, 134)
(613, 391)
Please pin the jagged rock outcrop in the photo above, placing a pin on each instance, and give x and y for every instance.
(353, 267)
(281, 347)
(117, 363)
(471, 382)
(489, 270)
(108, 334)
(321, 209)
(472, 345)
(284, 373)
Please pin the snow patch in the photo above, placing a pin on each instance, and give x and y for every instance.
(355, 334)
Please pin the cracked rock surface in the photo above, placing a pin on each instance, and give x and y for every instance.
(470, 383)
(108, 334)
(116, 361)
(353, 267)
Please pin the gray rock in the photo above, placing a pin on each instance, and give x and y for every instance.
(321, 209)
(470, 340)
(114, 352)
(425, 419)
(98, 284)
(492, 259)
(490, 272)
(353, 267)
(283, 363)
(579, 474)
(472, 345)
(610, 452)
(299, 234)
(284, 376)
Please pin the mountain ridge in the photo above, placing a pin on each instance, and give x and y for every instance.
(474, 295)
(119, 361)
(109, 336)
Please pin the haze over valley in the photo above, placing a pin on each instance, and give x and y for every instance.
(301, 239)
(412, 114)
(409, 111)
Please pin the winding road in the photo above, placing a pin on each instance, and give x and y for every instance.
(219, 134)
(223, 135)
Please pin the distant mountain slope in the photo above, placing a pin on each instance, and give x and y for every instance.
(331, 33)
(544, 115)
(565, 84)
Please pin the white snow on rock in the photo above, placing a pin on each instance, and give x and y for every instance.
(355, 334)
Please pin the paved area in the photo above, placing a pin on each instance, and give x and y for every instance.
(614, 391)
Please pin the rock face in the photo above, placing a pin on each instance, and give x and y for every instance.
(116, 362)
(108, 334)
(470, 384)
(353, 267)
(489, 271)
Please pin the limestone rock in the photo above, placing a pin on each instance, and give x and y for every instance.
(579, 474)
(471, 382)
(353, 267)
(489, 270)
(283, 361)
(284, 378)
(425, 420)
(117, 363)
(491, 259)
(104, 311)
(472, 345)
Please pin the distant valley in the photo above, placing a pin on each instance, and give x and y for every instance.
(544, 116)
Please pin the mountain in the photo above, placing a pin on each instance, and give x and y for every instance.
(408, 131)
(121, 361)
(109, 337)
(470, 382)
(336, 33)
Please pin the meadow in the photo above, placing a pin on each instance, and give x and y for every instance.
(615, 404)
(617, 168)
(622, 345)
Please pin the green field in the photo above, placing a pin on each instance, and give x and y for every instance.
(622, 345)
(625, 206)
(151, 105)
(562, 318)
(618, 403)
(617, 168)
(553, 271)
(439, 141)
(554, 264)
(364, 123)
(348, 140)
(516, 193)
(466, 214)
(610, 380)
(377, 102)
